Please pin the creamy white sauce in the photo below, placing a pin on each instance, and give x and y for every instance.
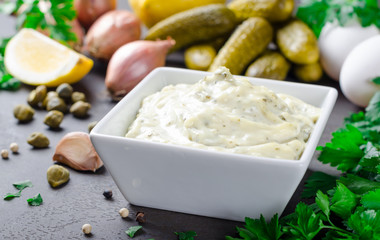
(226, 114)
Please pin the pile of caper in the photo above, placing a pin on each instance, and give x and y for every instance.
(57, 103)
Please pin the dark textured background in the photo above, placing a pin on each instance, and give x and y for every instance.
(80, 201)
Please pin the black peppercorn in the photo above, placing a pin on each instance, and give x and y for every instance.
(140, 217)
(107, 194)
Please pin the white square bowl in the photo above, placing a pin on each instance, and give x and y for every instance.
(197, 181)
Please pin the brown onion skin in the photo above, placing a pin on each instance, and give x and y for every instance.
(110, 32)
(132, 62)
(90, 10)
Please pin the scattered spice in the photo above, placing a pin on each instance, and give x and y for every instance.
(86, 228)
(14, 147)
(4, 153)
(107, 194)
(140, 217)
(124, 212)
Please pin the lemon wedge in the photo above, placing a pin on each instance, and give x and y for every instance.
(36, 59)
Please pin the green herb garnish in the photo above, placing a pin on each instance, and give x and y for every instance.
(35, 201)
(347, 207)
(189, 235)
(317, 13)
(376, 80)
(10, 196)
(53, 16)
(132, 231)
(23, 184)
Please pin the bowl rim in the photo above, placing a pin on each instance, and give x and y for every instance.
(328, 104)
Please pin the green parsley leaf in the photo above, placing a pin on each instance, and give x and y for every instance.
(365, 223)
(371, 200)
(307, 224)
(373, 109)
(359, 185)
(318, 181)
(132, 231)
(376, 80)
(371, 158)
(23, 184)
(189, 235)
(344, 149)
(35, 201)
(10, 196)
(343, 201)
(317, 13)
(323, 202)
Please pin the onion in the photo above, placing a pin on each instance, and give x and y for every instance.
(90, 10)
(110, 32)
(132, 62)
(79, 32)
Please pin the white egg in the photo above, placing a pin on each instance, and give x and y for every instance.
(360, 67)
(335, 43)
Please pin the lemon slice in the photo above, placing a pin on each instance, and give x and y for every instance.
(35, 59)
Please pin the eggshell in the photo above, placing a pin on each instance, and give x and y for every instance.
(360, 67)
(336, 42)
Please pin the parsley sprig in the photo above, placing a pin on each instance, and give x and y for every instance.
(347, 207)
(316, 13)
(52, 16)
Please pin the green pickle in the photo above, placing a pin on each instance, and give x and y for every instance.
(308, 72)
(196, 25)
(248, 41)
(272, 10)
(298, 43)
(199, 57)
(271, 65)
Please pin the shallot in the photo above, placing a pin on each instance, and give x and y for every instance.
(132, 62)
(90, 10)
(76, 150)
(110, 32)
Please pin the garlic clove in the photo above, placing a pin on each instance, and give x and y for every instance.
(76, 151)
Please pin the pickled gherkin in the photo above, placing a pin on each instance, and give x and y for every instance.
(270, 65)
(196, 25)
(199, 57)
(245, 9)
(298, 43)
(248, 41)
(308, 72)
(272, 10)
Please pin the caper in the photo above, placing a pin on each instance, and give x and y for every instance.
(49, 96)
(23, 113)
(64, 90)
(91, 125)
(78, 96)
(53, 118)
(56, 103)
(57, 175)
(37, 95)
(80, 109)
(38, 140)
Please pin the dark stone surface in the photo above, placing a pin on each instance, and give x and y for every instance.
(81, 200)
